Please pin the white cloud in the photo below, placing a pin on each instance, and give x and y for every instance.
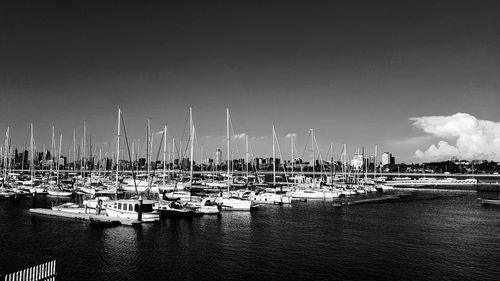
(470, 137)
(291, 135)
(240, 136)
(260, 138)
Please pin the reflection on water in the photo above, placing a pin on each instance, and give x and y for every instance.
(411, 235)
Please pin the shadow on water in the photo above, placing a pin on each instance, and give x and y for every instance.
(405, 197)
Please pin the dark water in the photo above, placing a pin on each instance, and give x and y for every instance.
(419, 236)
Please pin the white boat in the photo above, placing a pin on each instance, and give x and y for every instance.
(174, 209)
(96, 202)
(70, 208)
(228, 202)
(142, 186)
(6, 193)
(168, 187)
(206, 206)
(234, 204)
(430, 182)
(270, 198)
(383, 187)
(181, 195)
(129, 209)
(38, 190)
(490, 201)
(314, 194)
(59, 192)
(215, 184)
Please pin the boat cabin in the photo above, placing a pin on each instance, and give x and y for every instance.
(131, 206)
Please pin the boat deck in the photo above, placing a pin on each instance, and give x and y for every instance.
(98, 219)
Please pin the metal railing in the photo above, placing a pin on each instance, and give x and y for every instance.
(42, 272)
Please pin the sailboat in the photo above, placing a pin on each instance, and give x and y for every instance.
(226, 201)
(177, 193)
(173, 204)
(312, 190)
(56, 190)
(129, 208)
(272, 198)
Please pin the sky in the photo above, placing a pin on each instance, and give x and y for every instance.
(396, 74)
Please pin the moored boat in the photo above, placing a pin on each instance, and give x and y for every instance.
(314, 194)
(175, 209)
(206, 206)
(59, 192)
(129, 209)
(490, 202)
(234, 204)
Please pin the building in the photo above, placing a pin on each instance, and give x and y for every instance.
(388, 159)
(218, 157)
(357, 161)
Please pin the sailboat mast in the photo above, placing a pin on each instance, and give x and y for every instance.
(52, 152)
(117, 153)
(58, 158)
(201, 161)
(148, 161)
(344, 170)
(375, 163)
(274, 160)
(32, 164)
(365, 170)
(100, 161)
(227, 146)
(84, 162)
(173, 155)
(313, 162)
(164, 153)
(332, 166)
(191, 155)
(246, 154)
(6, 154)
(291, 144)
(74, 149)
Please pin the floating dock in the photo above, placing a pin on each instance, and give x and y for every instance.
(94, 219)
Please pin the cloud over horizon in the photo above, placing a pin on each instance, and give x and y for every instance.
(240, 136)
(463, 136)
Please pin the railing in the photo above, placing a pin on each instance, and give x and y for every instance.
(42, 272)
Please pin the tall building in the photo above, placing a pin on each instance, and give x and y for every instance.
(357, 161)
(386, 158)
(218, 156)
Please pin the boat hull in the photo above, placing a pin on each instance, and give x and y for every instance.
(491, 202)
(235, 204)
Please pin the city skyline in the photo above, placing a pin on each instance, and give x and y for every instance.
(391, 74)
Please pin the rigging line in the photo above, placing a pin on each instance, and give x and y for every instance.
(234, 137)
(182, 137)
(129, 155)
(254, 162)
(154, 166)
(295, 149)
(281, 156)
(305, 147)
(319, 153)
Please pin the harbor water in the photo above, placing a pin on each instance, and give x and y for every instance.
(415, 235)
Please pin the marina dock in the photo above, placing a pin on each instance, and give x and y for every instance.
(95, 219)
